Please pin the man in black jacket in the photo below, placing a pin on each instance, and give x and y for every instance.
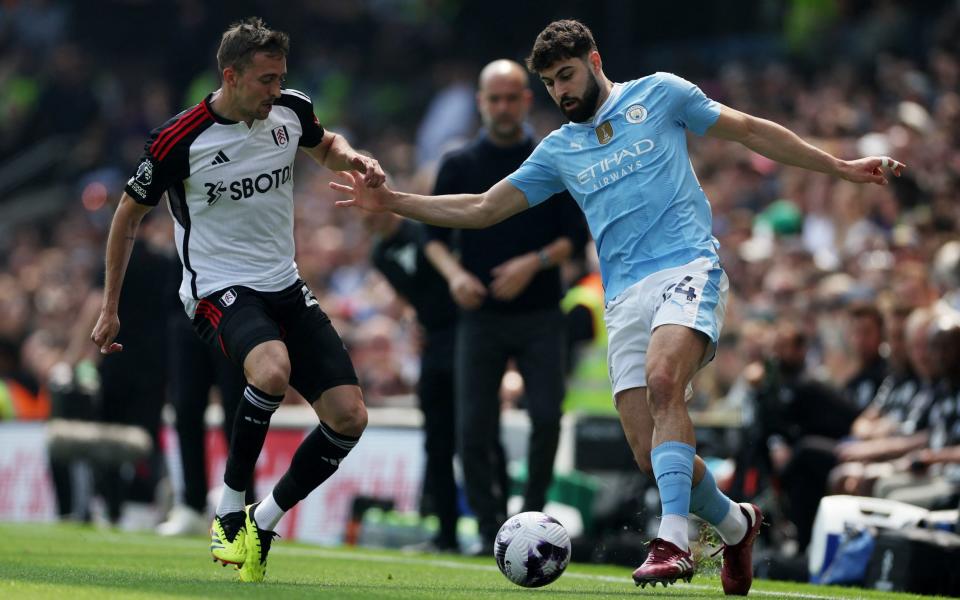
(398, 254)
(506, 282)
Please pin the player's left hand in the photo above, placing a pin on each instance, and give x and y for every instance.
(872, 169)
(373, 175)
(105, 331)
(513, 276)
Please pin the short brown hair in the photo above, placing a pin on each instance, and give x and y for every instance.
(560, 40)
(244, 39)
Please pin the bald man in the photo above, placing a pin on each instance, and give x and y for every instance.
(506, 282)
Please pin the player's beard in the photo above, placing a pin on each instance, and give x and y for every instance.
(586, 106)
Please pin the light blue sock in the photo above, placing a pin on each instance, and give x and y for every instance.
(707, 501)
(673, 468)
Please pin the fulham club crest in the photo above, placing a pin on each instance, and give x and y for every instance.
(280, 136)
(228, 298)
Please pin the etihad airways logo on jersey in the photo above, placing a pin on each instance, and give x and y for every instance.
(248, 186)
(617, 164)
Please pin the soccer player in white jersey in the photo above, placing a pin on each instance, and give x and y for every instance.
(226, 166)
(623, 157)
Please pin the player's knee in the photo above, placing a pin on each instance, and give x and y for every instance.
(664, 386)
(271, 376)
(352, 418)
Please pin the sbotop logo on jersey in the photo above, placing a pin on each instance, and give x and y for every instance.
(636, 114)
(214, 191)
(248, 186)
(280, 136)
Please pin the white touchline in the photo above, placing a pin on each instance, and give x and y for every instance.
(458, 565)
(450, 564)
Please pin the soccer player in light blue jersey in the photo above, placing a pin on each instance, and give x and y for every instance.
(623, 156)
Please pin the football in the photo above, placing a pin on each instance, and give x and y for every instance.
(532, 549)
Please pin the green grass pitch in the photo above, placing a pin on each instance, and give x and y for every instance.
(63, 561)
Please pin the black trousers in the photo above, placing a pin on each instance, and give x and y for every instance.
(195, 368)
(804, 483)
(436, 392)
(132, 392)
(485, 342)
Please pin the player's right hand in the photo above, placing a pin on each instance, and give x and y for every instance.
(361, 195)
(872, 169)
(467, 291)
(105, 331)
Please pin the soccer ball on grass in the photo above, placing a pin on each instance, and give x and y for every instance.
(532, 549)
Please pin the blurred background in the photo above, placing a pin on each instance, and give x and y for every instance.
(82, 83)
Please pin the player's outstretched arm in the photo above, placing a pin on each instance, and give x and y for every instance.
(460, 211)
(782, 145)
(123, 232)
(335, 153)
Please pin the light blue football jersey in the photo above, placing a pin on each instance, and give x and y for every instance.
(629, 171)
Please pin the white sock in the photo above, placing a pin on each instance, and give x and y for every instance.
(673, 528)
(268, 514)
(230, 501)
(733, 526)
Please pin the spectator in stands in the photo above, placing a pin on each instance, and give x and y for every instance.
(930, 477)
(862, 462)
(797, 417)
(887, 412)
(866, 335)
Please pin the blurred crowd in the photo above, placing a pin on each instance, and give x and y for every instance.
(839, 293)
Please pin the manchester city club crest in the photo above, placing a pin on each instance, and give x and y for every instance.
(604, 132)
(636, 114)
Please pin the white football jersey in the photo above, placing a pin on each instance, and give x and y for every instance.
(230, 191)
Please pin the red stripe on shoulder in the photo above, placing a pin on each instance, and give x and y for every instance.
(175, 128)
(182, 133)
(169, 129)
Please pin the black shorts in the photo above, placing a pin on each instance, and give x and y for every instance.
(237, 319)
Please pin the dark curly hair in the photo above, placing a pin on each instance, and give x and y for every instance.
(560, 40)
(244, 39)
